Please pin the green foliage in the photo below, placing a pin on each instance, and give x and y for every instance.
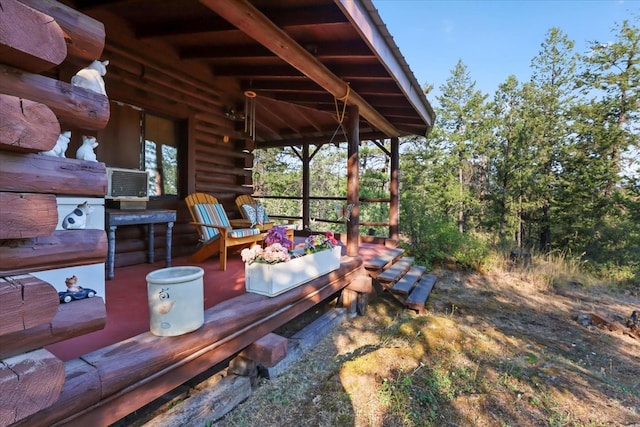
(436, 239)
(549, 165)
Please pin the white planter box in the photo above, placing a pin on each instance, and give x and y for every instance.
(274, 279)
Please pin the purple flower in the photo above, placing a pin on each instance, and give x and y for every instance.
(276, 249)
(278, 234)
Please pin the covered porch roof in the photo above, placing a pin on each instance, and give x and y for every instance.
(297, 56)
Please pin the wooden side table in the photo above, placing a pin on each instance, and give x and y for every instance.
(148, 217)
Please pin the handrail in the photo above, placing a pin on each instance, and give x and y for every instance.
(328, 221)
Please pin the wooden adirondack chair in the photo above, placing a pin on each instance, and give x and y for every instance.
(247, 206)
(215, 230)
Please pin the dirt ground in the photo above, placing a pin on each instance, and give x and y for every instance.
(493, 350)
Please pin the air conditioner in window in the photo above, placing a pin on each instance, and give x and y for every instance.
(127, 184)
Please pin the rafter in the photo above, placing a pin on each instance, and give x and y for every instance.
(258, 26)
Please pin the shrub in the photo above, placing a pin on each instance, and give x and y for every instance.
(433, 239)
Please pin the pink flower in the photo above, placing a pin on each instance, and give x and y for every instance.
(272, 254)
(320, 242)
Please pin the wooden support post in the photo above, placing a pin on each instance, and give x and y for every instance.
(353, 181)
(394, 186)
(267, 351)
(362, 303)
(349, 300)
(306, 183)
(243, 366)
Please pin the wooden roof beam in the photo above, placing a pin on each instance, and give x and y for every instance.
(256, 25)
(340, 49)
(283, 17)
(364, 14)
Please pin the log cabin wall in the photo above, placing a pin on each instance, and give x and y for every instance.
(33, 108)
(37, 104)
(150, 76)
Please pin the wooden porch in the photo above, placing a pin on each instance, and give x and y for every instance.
(112, 372)
(126, 299)
(177, 78)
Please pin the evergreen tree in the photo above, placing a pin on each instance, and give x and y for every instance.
(461, 116)
(550, 100)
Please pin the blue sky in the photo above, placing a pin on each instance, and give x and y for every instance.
(494, 39)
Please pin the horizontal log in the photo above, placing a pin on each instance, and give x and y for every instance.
(158, 71)
(26, 125)
(35, 173)
(81, 389)
(84, 35)
(25, 302)
(349, 299)
(64, 248)
(173, 92)
(29, 39)
(26, 215)
(71, 104)
(29, 383)
(206, 186)
(71, 320)
(210, 404)
(220, 150)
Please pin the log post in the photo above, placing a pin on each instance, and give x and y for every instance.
(28, 384)
(353, 181)
(25, 215)
(29, 39)
(349, 300)
(84, 35)
(70, 320)
(27, 126)
(26, 302)
(394, 186)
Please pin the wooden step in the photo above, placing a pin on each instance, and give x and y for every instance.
(408, 281)
(420, 293)
(396, 271)
(379, 263)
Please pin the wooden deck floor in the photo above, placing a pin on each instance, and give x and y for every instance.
(127, 307)
(115, 371)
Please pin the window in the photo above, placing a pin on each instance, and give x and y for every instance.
(161, 155)
(138, 139)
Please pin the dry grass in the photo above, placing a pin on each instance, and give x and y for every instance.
(496, 349)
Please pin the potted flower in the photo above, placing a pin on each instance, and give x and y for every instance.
(319, 242)
(276, 250)
(276, 268)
